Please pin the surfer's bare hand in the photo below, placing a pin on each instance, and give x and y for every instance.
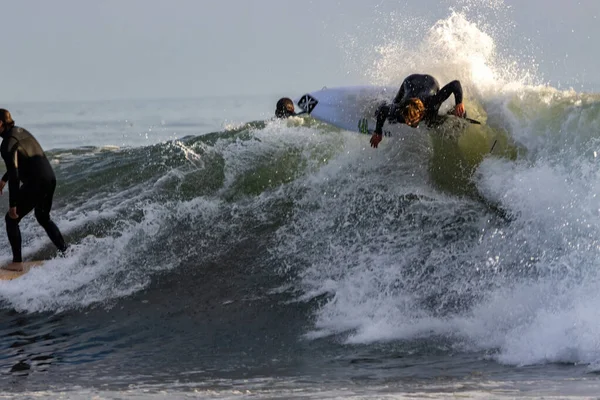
(459, 110)
(2, 184)
(12, 212)
(376, 139)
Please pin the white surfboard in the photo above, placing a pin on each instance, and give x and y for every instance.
(351, 108)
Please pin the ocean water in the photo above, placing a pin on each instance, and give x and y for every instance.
(216, 253)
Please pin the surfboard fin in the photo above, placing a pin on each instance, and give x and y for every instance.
(363, 126)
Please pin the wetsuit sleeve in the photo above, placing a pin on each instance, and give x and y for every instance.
(387, 112)
(400, 96)
(12, 171)
(445, 92)
(5, 177)
(381, 114)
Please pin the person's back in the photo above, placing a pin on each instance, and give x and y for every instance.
(31, 161)
(419, 86)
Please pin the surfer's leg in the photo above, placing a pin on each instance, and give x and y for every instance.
(24, 206)
(14, 237)
(42, 214)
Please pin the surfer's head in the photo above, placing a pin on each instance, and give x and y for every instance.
(285, 108)
(6, 121)
(413, 112)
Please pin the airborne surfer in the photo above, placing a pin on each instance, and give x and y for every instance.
(419, 99)
(26, 163)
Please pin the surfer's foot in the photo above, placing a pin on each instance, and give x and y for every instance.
(14, 266)
(62, 250)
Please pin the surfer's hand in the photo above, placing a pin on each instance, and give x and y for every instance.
(459, 110)
(2, 184)
(12, 212)
(376, 139)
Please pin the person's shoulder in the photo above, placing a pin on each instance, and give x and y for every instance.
(20, 133)
(16, 134)
(18, 130)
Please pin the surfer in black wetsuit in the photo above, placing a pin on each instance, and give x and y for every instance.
(26, 163)
(285, 108)
(419, 99)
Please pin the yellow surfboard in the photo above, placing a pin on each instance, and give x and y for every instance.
(15, 270)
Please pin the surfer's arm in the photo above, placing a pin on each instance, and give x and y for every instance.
(453, 87)
(381, 115)
(400, 96)
(12, 172)
(390, 113)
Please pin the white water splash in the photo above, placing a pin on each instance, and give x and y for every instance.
(531, 284)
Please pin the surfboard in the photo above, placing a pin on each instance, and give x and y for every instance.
(459, 144)
(14, 270)
(351, 108)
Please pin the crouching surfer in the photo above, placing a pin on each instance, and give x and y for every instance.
(419, 99)
(26, 163)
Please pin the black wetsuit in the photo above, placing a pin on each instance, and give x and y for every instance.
(26, 162)
(424, 87)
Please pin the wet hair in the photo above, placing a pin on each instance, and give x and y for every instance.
(285, 108)
(6, 118)
(413, 111)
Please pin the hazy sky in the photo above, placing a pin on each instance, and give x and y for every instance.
(111, 49)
